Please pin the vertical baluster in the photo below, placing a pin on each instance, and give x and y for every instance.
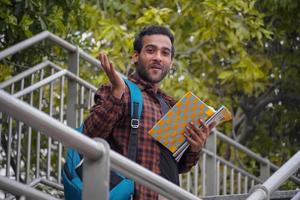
(81, 103)
(239, 183)
(203, 174)
(218, 177)
(49, 152)
(90, 99)
(28, 163)
(252, 183)
(189, 182)
(61, 119)
(232, 181)
(225, 179)
(38, 137)
(19, 137)
(20, 125)
(9, 139)
(180, 180)
(196, 174)
(246, 185)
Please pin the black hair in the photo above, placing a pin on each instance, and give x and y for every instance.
(152, 30)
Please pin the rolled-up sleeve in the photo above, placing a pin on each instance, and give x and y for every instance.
(105, 114)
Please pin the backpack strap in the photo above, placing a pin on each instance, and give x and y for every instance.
(136, 106)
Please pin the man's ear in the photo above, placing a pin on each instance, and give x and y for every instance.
(135, 57)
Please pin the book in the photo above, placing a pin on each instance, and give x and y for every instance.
(169, 130)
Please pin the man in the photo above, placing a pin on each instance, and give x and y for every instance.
(110, 116)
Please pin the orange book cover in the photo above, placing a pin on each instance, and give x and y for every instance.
(170, 128)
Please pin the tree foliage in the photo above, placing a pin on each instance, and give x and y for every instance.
(244, 54)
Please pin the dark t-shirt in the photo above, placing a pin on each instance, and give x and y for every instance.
(168, 165)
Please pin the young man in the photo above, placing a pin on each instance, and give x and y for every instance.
(110, 116)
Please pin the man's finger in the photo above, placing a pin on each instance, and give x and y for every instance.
(196, 129)
(192, 133)
(190, 139)
(203, 125)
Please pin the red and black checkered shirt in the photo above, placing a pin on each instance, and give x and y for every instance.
(110, 119)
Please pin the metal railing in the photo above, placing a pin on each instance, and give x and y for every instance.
(93, 151)
(64, 96)
(262, 192)
(227, 177)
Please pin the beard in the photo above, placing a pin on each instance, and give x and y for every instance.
(146, 76)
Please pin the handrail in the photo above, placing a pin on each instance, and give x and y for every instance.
(297, 196)
(241, 147)
(48, 35)
(262, 192)
(231, 165)
(88, 147)
(33, 40)
(26, 73)
(41, 121)
(41, 83)
(20, 189)
(250, 153)
(45, 81)
(149, 179)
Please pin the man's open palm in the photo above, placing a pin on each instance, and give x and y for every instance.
(118, 85)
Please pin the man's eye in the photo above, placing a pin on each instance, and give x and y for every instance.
(166, 53)
(149, 50)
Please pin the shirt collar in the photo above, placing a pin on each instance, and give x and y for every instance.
(143, 85)
(149, 87)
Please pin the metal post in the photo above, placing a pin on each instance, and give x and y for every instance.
(96, 176)
(264, 170)
(72, 93)
(211, 165)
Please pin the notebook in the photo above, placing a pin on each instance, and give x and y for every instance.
(169, 130)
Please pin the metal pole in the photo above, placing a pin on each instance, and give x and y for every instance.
(40, 83)
(240, 147)
(24, 44)
(49, 126)
(147, 178)
(20, 189)
(264, 170)
(96, 176)
(211, 168)
(72, 93)
(262, 192)
(26, 73)
(296, 197)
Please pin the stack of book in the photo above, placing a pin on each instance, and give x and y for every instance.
(169, 130)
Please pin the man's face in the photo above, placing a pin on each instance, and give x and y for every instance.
(154, 61)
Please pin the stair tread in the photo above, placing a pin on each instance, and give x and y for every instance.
(278, 195)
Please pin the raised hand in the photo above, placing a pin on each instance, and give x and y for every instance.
(118, 84)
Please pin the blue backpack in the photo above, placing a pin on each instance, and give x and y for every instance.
(121, 188)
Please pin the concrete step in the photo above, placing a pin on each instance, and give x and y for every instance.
(278, 195)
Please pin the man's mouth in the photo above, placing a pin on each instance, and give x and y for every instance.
(156, 66)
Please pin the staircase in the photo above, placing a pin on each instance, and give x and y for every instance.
(31, 156)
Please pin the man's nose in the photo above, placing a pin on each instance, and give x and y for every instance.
(158, 56)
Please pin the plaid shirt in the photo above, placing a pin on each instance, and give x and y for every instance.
(110, 119)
